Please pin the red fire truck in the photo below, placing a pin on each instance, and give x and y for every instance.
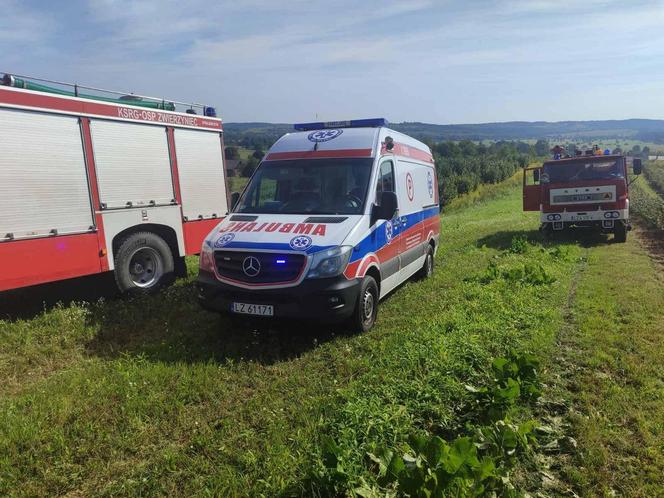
(91, 183)
(584, 191)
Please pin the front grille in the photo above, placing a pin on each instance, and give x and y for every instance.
(602, 196)
(271, 268)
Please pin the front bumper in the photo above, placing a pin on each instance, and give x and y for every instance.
(572, 217)
(332, 299)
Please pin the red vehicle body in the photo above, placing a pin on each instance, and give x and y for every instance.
(89, 186)
(588, 191)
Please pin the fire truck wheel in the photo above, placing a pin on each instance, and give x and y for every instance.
(427, 269)
(620, 233)
(143, 264)
(366, 308)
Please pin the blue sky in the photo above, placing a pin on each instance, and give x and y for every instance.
(444, 61)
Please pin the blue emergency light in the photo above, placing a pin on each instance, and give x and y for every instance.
(353, 123)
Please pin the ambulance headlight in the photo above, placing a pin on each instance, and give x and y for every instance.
(206, 260)
(330, 262)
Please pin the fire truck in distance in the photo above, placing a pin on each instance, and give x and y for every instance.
(589, 190)
(94, 181)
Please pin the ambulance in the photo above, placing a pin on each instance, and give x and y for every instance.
(336, 216)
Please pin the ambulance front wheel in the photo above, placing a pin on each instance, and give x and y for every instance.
(366, 308)
(143, 264)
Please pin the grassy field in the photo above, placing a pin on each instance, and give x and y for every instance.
(154, 396)
(654, 173)
(647, 196)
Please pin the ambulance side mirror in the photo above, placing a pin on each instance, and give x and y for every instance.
(235, 197)
(637, 166)
(386, 209)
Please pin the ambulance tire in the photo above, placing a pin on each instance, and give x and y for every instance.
(620, 233)
(143, 264)
(427, 269)
(366, 307)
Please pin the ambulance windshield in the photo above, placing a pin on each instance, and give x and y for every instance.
(308, 186)
(567, 172)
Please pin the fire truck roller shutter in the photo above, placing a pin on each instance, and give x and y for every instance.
(201, 172)
(133, 164)
(43, 180)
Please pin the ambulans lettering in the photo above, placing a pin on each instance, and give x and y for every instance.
(299, 228)
(304, 228)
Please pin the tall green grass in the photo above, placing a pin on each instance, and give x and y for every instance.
(155, 396)
(646, 203)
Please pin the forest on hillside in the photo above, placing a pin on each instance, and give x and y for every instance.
(262, 135)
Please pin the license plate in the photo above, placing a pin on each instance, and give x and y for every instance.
(253, 309)
(580, 218)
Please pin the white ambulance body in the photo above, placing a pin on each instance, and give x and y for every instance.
(335, 217)
(90, 184)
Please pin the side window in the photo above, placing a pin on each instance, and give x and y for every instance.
(385, 179)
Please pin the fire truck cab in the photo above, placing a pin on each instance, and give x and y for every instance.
(336, 216)
(92, 183)
(585, 191)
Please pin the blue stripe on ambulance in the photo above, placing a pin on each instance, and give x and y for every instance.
(377, 239)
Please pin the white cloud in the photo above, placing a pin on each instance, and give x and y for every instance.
(279, 60)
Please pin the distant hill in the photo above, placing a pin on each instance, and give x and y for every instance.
(647, 130)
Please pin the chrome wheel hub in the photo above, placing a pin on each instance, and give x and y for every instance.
(145, 267)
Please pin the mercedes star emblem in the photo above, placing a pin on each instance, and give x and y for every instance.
(251, 266)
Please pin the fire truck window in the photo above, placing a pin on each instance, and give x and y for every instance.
(581, 171)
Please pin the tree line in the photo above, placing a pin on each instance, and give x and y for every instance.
(463, 166)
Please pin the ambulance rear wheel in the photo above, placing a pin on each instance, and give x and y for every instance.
(427, 269)
(143, 264)
(366, 308)
(620, 233)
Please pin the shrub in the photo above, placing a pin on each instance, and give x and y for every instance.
(519, 244)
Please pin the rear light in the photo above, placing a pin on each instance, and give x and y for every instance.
(612, 215)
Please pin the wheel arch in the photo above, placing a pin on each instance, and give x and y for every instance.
(164, 231)
(374, 272)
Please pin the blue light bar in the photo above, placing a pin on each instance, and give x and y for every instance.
(353, 123)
